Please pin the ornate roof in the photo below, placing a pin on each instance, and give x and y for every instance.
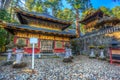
(42, 16)
(92, 16)
(105, 20)
(39, 30)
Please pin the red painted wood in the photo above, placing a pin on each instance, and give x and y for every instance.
(29, 50)
(15, 39)
(59, 50)
(110, 55)
(14, 49)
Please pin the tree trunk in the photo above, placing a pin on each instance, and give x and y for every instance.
(77, 24)
(4, 4)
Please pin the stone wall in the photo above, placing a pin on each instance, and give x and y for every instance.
(97, 38)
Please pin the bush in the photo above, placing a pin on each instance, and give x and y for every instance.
(21, 65)
(101, 47)
(67, 60)
(91, 47)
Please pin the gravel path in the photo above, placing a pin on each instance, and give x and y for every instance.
(82, 68)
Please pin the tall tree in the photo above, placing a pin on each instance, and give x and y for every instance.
(39, 6)
(65, 14)
(5, 37)
(4, 4)
(87, 12)
(78, 6)
(29, 4)
(116, 11)
(53, 5)
(106, 10)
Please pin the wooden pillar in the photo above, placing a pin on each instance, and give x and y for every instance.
(54, 43)
(38, 43)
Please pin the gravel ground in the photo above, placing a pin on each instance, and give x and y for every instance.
(82, 68)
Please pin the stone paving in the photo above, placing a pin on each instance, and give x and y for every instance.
(82, 68)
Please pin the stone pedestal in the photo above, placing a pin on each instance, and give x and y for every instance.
(9, 51)
(102, 56)
(92, 54)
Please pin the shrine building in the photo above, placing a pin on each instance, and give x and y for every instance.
(50, 31)
(100, 30)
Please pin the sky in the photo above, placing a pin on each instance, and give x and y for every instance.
(107, 3)
(97, 3)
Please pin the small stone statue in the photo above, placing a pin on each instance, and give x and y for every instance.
(9, 51)
(19, 55)
(67, 54)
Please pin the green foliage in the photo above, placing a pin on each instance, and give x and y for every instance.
(101, 47)
(88, 12)
(116, 11)
(80, 4)
(3, 33)
(4, 15)
(29, 4)
(91, 46)
(5, 37)
(53, 5)
(105, 10)
(66, 14)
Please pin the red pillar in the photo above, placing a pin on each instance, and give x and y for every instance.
(15, 39)
(38, 43)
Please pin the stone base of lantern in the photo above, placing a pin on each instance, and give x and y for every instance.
(19, 65)
(67, 60)
(71, 57)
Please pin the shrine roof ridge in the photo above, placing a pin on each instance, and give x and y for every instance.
(19, 26)
(90, 15)
(43, 16)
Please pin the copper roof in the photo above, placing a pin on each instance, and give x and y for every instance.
(43, 16)
(95, 14)
(105, 20)
(39, 30)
